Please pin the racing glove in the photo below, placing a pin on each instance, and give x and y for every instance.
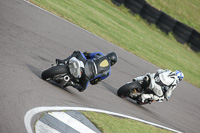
(95, 81)
(87, 54)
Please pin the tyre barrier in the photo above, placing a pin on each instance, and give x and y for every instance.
(194, 39)
(183, 33)
(135, 5)
(118, 2)
(150, 13)
(165, 23)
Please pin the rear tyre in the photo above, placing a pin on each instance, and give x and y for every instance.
(124, 91)
(53, 71)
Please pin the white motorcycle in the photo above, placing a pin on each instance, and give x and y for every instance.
(135, 89)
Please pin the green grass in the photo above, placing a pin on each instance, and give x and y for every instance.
(109, 124)
(116, 25)
(186, 11)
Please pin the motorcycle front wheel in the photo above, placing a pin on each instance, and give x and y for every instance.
(53, 71)
(126, 89)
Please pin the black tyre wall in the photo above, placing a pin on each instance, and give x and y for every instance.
(150, 13)
(118, 2)
(166, 23)
(135, 5)
(195, 40)
(182, 32)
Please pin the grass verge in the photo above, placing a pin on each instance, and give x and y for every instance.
(111, 124)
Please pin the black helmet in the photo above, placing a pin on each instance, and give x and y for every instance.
(112, 58)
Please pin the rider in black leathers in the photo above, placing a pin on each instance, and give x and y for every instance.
(96, 67)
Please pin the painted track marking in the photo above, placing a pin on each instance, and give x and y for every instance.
(29, 115)
(70, 121)
(41, 128)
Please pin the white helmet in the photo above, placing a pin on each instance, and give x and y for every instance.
(179, 74)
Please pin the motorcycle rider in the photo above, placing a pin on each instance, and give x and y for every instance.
(161, 84)
(95, 67)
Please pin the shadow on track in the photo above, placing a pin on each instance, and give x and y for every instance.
(34, 70)
(143, 107)
(109, 87)
(38, 72)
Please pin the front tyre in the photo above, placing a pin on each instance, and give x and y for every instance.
(125, 90)
(53, 71)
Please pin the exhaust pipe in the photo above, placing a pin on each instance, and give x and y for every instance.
(66, 78)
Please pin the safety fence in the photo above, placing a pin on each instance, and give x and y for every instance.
(183, 33)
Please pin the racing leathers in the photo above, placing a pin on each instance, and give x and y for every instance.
(162, 83)
(95, 67)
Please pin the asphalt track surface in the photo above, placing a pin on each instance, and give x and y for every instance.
(30, 40)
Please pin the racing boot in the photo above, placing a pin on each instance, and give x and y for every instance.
(78, 87)
(60, 62)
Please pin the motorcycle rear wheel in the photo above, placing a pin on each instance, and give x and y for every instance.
(53, 71)
(125, 90)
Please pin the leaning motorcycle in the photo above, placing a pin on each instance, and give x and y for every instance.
(64, 73)
(135, 89)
